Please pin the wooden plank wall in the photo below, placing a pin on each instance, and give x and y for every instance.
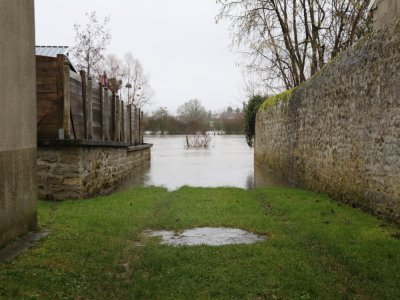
(77, 123)
(96, 114)
(96, 123)
(46, 87)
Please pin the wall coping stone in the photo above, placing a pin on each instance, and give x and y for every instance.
(139, 147)
(48, 143)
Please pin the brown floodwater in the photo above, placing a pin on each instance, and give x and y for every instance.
(227, 162)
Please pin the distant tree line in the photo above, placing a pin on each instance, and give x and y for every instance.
(192, 118)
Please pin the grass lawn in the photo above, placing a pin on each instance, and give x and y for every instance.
(316, 248)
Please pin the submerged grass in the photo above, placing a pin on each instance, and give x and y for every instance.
(316, 248)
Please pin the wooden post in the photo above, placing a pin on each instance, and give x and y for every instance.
(130, 124)
(113, 117)
(122, 122)
(106, 121)
(117, 119)
(135, 141)
(89, 109)
(63, 100)
(84, 105)
(101, 91)
(139, 125)
(141, 128)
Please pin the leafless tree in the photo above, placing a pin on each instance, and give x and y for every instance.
(193, 115)
(136, 85)
(112, 65)
(91, 41)
(285, 42)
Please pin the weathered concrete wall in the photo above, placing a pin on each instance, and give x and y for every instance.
(340, 132)
(82, 171)
(385, 11)
(17, 119)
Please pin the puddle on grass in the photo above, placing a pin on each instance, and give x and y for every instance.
(206, 236)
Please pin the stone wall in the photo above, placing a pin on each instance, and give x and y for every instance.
(339, 133)
(17, 119)
(75, 172)
(384, 11)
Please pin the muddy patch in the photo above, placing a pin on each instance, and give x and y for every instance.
(206, 236)
(17, 247)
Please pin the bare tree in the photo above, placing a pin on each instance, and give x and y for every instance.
(136, 85)
(193, 114)
(91, 41)
(112, 65)
(160, 118)
(285, 42)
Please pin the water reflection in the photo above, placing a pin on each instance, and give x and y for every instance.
(266, 178)
(228, 162)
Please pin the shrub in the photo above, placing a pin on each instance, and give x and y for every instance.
(250, 112)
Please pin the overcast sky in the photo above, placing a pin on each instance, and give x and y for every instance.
(178, 42)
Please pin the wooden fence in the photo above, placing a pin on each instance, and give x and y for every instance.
(71, 106)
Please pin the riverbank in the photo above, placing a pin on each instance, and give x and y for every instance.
(316, 248)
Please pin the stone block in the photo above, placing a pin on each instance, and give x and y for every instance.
(86, 171)
(72, 181)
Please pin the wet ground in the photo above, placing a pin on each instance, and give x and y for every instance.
(20, 245)
(206, 236)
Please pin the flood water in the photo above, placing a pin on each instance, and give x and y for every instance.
(227, 162)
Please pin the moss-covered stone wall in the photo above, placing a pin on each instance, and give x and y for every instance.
(339, 132)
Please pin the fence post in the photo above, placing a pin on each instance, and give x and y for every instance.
(136, 127)
(117, 119)
(84, 105)
(65, 126)
(101, 96)
(106, 111)
(113, 117)
(139, 125)
(141, 128)
(130, 124)
(90, 108)
(122, 122)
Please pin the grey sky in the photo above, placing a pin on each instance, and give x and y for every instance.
(177, 41)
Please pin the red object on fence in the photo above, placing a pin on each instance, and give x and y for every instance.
(104, 80)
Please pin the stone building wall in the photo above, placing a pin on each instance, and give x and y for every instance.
(339, 132)
(75, 172)
(17, 119)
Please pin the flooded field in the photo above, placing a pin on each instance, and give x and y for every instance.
(227, 162)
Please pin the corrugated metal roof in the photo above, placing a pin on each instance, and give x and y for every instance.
(52, 51)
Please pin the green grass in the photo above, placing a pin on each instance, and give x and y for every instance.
(317, 248)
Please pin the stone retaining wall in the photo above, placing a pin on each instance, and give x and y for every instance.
(339, 133)
(74, 172)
